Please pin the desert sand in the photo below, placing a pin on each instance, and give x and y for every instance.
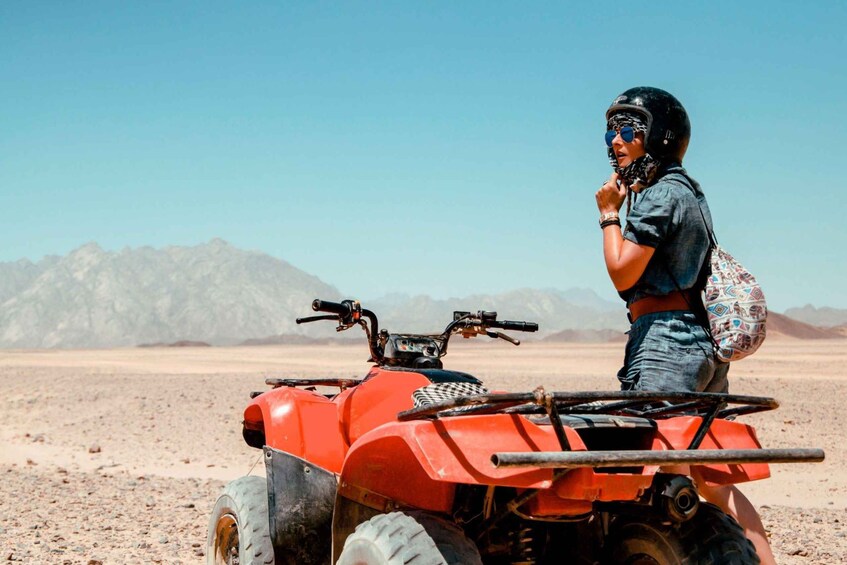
(117, 456)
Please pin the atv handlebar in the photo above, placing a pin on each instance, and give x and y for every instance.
(515, 326)
(349, 313)
(342, 309)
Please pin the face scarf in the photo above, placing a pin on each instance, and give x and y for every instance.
(642, 170)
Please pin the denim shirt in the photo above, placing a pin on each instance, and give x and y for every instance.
(667, 216)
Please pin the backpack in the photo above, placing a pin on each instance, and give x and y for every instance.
(735, 306)
(736, 311)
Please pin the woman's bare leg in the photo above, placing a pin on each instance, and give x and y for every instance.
(733, 502)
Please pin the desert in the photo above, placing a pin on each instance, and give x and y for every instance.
(117, 455)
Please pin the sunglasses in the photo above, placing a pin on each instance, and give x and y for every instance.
(627, 134)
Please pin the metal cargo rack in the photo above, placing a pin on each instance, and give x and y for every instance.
(652, 405)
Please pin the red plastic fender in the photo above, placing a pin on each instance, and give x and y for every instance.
(377, 400)
(299, 422)
(418, 463)
(677, 433)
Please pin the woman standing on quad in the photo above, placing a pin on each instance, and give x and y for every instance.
(655, 262)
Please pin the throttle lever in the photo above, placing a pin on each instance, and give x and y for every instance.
(308, 319)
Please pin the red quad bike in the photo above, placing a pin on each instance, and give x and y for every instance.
(421, 465)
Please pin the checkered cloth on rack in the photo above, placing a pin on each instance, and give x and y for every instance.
(439, 392)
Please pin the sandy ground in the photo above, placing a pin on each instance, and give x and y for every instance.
(117, 456)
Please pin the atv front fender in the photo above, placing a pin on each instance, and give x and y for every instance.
(299, 422)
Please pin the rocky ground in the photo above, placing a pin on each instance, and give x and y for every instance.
(118, 456)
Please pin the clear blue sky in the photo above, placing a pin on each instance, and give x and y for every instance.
(442, 148)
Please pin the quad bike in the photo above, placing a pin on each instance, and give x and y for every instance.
(421, 465)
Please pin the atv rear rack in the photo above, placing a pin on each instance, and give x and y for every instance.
(596, 459)
(654, 405)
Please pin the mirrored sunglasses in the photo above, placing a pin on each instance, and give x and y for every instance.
(627, 134)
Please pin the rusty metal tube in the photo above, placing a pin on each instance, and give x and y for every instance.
(574, 459)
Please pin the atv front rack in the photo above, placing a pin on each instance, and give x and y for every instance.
(340, 383)
(309, 384)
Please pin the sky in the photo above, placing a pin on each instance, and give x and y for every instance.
(442, 148)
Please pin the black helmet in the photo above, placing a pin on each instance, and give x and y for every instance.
(668, 128)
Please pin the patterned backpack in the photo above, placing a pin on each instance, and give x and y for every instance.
(735, 306)
(734, 302)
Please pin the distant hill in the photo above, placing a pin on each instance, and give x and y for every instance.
(825, 317)
(294, 339)
(553, 310)
(783, 325)
(183, 343)
(778, 324)
(587, 336)
(213, 293)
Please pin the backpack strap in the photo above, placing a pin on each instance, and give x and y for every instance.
(699, 313)
(686, 181)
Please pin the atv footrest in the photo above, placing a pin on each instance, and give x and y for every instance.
(574, 459)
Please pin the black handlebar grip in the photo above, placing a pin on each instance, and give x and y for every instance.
(518, 326)
(319, 305)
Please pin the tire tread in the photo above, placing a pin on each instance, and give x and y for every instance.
(247, 499)
(415, 538)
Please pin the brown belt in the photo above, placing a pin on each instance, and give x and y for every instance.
(676, 300)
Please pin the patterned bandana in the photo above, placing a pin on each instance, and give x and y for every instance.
(631, 119)
(642, 170)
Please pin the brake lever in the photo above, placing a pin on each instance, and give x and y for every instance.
(316, 318)
(501, 335)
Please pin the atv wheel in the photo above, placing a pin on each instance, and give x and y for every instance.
(398, 538)
(709, 538)
(239, 533)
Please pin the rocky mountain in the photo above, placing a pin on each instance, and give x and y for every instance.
(587, 336)
(218, 294)
(15, 277)
(825, 317)
(553, 310)
(221, 295)
(94, 298)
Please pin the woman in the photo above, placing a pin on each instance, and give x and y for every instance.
(655, 263)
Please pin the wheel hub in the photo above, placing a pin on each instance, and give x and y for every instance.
(226, 541)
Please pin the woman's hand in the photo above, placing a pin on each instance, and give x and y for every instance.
(610, 197)
(626, 261)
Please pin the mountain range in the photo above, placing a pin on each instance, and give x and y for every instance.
(221, 295)
(94, 298)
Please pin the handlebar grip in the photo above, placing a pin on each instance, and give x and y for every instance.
(518, 326)
(319, 305)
